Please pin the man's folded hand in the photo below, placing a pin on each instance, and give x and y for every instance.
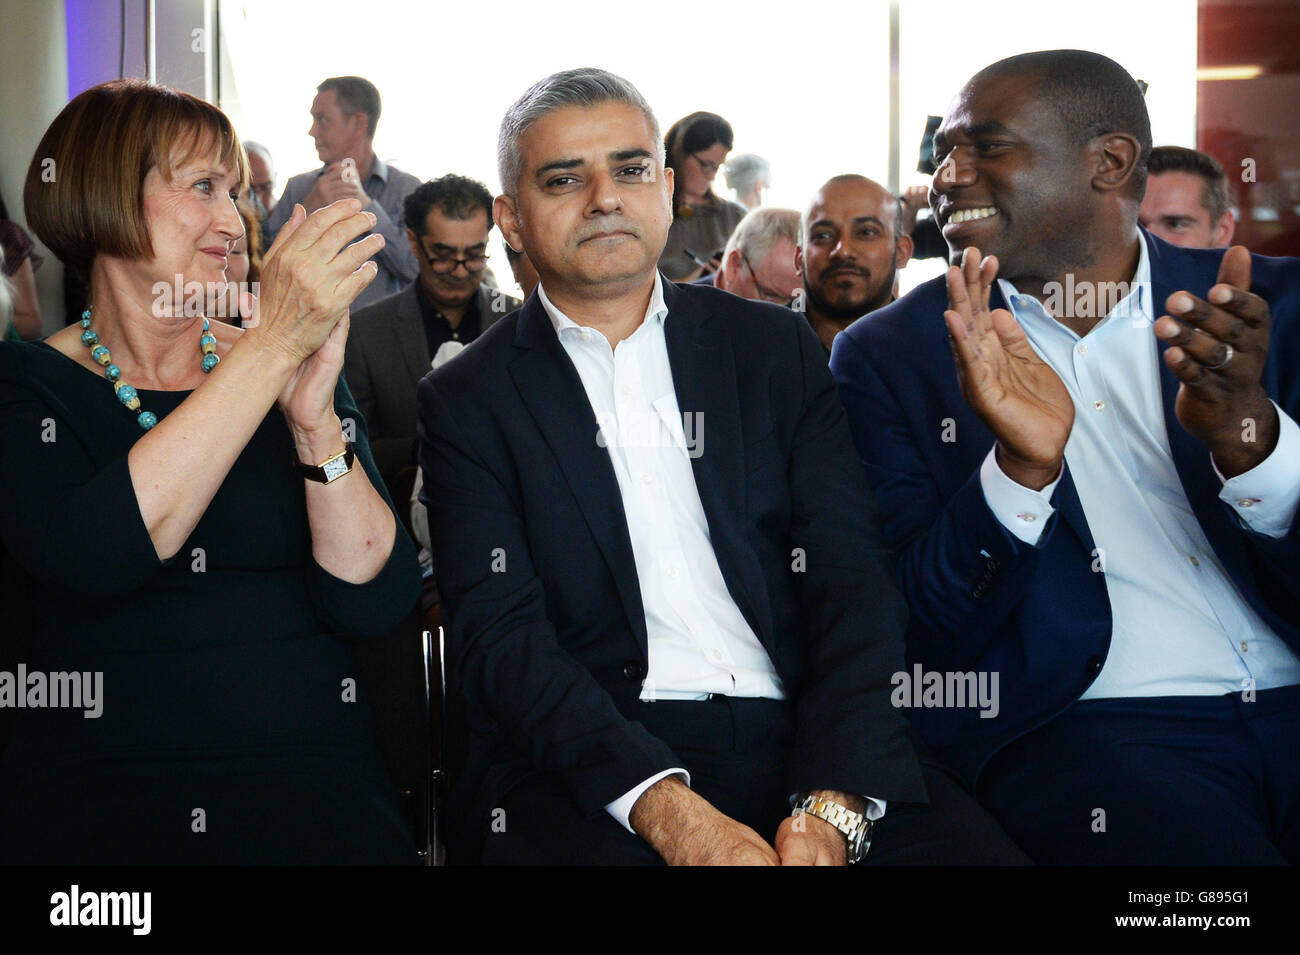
(685, 829)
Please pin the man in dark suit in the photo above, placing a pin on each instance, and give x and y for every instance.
(667, 605)
(393, 342)
(1099, 506)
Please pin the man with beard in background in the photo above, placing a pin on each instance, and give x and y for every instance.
(853, 246)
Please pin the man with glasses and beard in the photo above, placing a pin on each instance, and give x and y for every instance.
(394, 341)
(853, 246)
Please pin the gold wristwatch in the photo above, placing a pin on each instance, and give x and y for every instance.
(855, 826)
(331, 469)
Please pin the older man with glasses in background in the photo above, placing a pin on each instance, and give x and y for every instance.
(394, 341)
(758, 262)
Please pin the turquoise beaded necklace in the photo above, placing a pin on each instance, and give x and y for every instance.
(125, 393)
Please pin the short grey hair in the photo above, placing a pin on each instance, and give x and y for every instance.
(581, 87)
(745, 171)
(251, 147)
(760, 230)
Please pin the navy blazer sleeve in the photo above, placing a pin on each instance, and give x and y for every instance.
(962, 572)
(502, 651)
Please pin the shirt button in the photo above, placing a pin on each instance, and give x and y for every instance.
(1083, 349)
(671, 571)
(1099, 404)
(627, 390)
(1244, 646)
(1028, 518)
(1248, 502)
(647, 479)
(714, 656)
(1195, 561)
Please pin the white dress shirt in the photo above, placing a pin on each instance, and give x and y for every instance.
(697, 639)
(1180, 626)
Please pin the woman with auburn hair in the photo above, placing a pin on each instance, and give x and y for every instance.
(200, 514)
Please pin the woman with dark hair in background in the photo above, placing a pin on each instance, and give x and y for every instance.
(696, 147)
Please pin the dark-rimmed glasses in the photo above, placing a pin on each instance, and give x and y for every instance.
(446, 264)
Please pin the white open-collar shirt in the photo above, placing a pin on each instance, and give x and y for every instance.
(697, 639)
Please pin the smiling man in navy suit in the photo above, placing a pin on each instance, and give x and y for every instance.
(671, 613)
(1086, 453)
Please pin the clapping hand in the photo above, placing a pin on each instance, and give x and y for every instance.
(1017, 394)
(310, 277)
(339, 181)
(1218, 349)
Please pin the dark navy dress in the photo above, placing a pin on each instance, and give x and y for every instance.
(230, 731)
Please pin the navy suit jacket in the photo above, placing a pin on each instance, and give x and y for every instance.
(547, 635)
(981, 599)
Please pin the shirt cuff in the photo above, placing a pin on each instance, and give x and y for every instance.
(1021, 510)
(621, 808)
(1267, 496)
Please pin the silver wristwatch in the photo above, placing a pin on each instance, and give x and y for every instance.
(855, 826)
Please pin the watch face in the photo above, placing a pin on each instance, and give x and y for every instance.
(860, 843)
(335, 468)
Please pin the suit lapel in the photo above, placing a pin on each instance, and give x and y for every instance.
(557, 401)
(1066, 498)
(408, 335)
(704, 379)
(1171, 273)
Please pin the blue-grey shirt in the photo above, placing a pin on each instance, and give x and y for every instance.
(388, 187)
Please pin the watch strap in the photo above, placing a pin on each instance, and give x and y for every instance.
(854, 826)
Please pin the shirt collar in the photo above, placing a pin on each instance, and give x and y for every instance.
(430, 312)
(377, 168)
(657, 310)
(1136, 302)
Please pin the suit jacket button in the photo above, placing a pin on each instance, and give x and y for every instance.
(632, 671)
(1094, 665)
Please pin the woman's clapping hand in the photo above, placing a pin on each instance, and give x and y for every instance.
(311, 275)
